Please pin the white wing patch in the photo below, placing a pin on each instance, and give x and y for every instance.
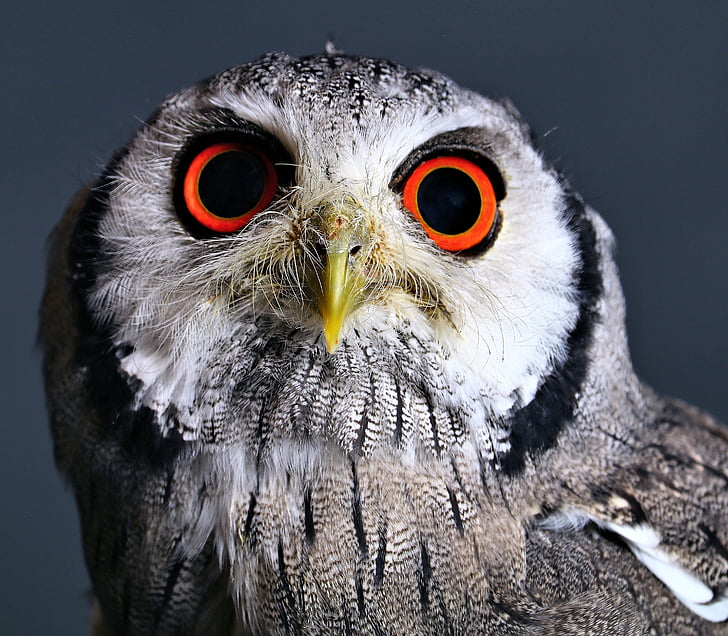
(687, 588)
(644, 542)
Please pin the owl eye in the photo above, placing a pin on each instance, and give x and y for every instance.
(454, 200)
(226, 184)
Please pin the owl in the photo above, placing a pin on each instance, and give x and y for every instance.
(329, 348)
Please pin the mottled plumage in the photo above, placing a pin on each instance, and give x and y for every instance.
(323, 421)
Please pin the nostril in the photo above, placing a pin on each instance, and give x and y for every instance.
(320, 248)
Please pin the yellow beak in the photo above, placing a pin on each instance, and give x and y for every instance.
(339, 287)
(338, 297)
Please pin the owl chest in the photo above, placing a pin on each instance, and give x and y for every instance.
(368, 542)
(348, 490)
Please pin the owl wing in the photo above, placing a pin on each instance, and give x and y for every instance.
(143, 581)
(667, 501)
(135, 510)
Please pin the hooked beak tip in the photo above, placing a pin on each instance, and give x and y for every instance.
(332, 342)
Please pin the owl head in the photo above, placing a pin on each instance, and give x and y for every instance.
(340, 217)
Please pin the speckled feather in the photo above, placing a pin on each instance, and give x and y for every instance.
(477, 456)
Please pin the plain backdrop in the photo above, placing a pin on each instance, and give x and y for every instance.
(628, 98)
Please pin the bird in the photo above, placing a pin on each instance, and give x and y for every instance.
(331, 348)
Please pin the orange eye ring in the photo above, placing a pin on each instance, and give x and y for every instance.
(247, 184)
(453, 199)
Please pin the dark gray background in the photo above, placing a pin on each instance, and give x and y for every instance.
(629, 98)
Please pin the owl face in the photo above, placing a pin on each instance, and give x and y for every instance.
(300, 214)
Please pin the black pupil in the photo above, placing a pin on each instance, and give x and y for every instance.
(449, 201)
(232, 183)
